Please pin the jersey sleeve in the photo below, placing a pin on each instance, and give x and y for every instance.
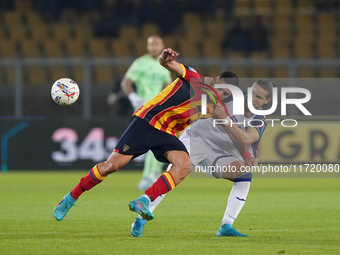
(189, 73)
(259, 122)
(134, 72)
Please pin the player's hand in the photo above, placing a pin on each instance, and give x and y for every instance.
(209, 81)
(168, 55)
(251, 161)
(221, 112)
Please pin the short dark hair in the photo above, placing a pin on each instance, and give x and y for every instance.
(267, 85)
(229, 78)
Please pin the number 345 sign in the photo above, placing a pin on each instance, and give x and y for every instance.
(94, 147)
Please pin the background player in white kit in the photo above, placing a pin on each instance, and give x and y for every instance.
(221, 146)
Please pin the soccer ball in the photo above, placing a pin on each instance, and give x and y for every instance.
(65, 92)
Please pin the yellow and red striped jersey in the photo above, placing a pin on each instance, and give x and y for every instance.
(178, 105)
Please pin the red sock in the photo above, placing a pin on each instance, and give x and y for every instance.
(87, 182)
(163, 185)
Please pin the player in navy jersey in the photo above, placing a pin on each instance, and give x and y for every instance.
(223, 146)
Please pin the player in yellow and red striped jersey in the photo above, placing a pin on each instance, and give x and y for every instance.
(154, 127)
(170, 110)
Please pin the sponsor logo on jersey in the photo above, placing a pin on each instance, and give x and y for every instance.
(126, 147)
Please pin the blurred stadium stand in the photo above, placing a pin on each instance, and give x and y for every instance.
(297, 29)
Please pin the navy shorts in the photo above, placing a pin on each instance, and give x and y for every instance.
(140, 137)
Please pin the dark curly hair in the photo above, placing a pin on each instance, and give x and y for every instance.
(229, 78)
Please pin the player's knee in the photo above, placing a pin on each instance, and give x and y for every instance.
(184, 168)
(108, 167)
(244, 177)
(113, 166)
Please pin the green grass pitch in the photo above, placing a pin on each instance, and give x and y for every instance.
(281, 216)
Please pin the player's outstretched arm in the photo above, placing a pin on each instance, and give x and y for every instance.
(167, 60)
(242, 148)
(243, 138)
(249, 160)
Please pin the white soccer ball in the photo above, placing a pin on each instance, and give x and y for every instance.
(65, 91)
